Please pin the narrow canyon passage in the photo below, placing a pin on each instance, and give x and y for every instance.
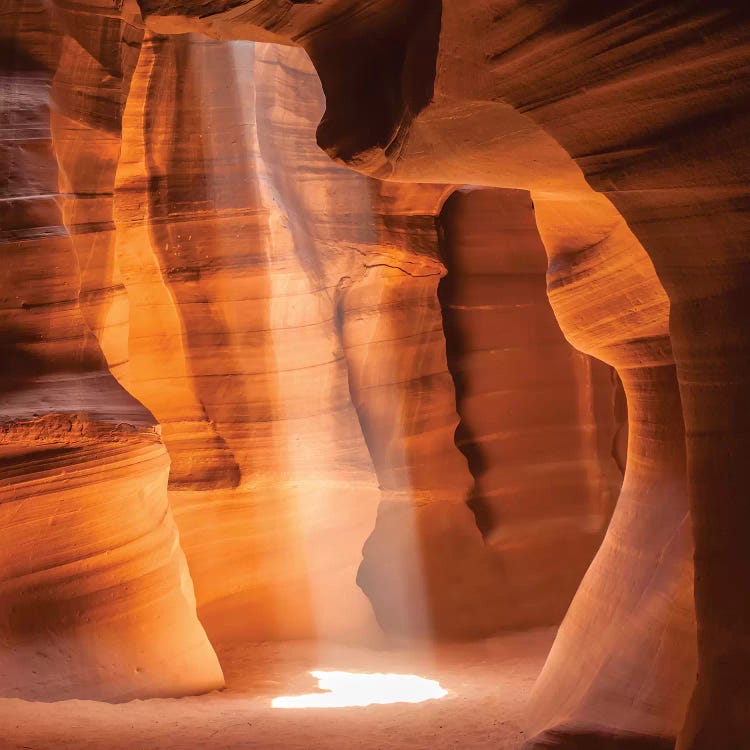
(373, 352)
(538, 420)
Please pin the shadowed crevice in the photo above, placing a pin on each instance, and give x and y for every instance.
(455, 352)
(564, 738)
(376, 78)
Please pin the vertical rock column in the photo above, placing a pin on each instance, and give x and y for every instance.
(622, 666)
(424, 563)
(699, 239)
(232, 261)
(651, 102)
(95, 597)
(159, 372)
(91, 83)
(426, 567)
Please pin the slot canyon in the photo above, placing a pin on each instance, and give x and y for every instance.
(388, 360)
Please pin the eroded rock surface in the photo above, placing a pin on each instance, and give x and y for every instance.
(277, 275)
(96, 600)
(649, 101)
(278, 316)
(260, 301)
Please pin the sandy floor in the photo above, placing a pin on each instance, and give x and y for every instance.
(487, 682)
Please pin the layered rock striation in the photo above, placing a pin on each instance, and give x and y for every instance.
(291, 326)
(276, 276)
(643, 102)
(95, 597)
(278, 316)
(537, 417)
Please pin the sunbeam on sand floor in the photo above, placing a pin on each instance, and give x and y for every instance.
(487, 684)
(343, 689)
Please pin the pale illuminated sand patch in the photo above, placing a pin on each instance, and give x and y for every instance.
(352, 689)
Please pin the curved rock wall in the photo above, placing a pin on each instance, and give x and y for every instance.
(624, 658)
(648, 100)
(268, 250)
(280, 317)
(95, 596)
(205, 235)
(537, 417)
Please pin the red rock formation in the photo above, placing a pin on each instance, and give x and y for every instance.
(536, 416)
(648, 100)
(643, 102)
(425, 567)
(89, 89)
(406, 406)
(226, 293)
(95, 596)
(291, 271)
(624, 656)
(246, 312)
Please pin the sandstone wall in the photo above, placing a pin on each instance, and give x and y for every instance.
(645, 103)
(95, 597)
(336, 408)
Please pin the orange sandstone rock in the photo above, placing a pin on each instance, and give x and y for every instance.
(95, 597)
(645, 103)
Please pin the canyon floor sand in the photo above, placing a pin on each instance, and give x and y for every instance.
(487, 682)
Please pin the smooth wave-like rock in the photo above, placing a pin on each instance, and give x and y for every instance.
(279, 316)
(256, 257)
(425, 567)
(245, 344)
(95, 596)
(624, 659)
(166, 219)
(643, 102)
(537, 416)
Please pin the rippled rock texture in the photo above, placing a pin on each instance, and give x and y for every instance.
(645, 103)
(298, 304)
(281, 320)
(362, 382)
(96, 600)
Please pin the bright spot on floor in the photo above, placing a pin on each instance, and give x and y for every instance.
(355, 689)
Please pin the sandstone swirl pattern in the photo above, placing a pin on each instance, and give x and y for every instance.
(279, 318)
(282, 319)
(95, 597)
(644, 102)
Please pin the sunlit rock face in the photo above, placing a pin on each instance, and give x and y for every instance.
(298, 320)
(181, 260)
(624, 657)
(645, 103)
(188, 271)
(512, 578)
(211, 237)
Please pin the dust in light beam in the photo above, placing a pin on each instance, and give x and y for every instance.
(355, 689)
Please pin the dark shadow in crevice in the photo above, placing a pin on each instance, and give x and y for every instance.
(563, 738)
(455, 351)
(377, 76)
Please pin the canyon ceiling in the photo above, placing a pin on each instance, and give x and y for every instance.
(351, 320)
